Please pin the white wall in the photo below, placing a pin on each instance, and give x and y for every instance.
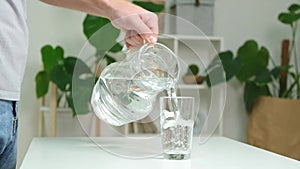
(235, 20)
(47, 25)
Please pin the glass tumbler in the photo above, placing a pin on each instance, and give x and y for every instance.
(177, 121)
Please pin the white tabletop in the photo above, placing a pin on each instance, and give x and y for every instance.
(83, 153)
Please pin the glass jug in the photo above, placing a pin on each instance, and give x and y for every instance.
(126, 91)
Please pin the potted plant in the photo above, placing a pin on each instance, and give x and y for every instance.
(271, 91)
(191, 76)
(60, 71)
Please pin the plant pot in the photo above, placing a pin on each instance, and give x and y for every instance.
(192, 79)
(274, 125)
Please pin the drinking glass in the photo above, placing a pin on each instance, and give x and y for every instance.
(177, 121)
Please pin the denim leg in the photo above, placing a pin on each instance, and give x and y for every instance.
(8, 134)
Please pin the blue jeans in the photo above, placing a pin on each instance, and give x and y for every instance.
(8, 134)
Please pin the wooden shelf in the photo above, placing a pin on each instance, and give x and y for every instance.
(59, 109)
(193, 86)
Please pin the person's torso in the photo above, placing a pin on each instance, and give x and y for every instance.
(13, 47)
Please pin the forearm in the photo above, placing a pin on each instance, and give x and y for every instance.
(95, 7)
(123, 14)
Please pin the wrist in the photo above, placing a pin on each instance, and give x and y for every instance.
(115, 9)
(109, 8)
(105, 8)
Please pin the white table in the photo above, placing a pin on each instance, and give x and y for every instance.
(82, 153)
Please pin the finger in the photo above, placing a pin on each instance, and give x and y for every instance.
(133, 42)
(149, 38)
(133, 39)
(129, 46)
(151, 20)
(137, 23)
(145, 24)
(134, 36)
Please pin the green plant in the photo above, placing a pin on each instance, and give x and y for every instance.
(251, 66)
(291, 18)
(192, 70)
(60, 71)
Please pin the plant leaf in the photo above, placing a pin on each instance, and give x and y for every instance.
(263, 77)
(100, 32)
(109, 59)
(71, 103)
(61, 78)
(81, 94)
(52, 57)
(231, 66)
(275, 72)
(223, 63)
(288, 92)
(252, 92)
(294, 75)
(288, 18)
(150, 6)
(70, 64)
(215, 76)
(80, 67)
(41, 84)
(116, 48)
(252, 60)
(193, 69)
(294, 7)
(92, 24)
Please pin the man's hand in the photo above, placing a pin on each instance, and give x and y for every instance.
(139, 24)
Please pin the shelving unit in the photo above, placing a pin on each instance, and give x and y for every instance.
(193, 86)
(52, 117)
(197, 50)
(193, 49)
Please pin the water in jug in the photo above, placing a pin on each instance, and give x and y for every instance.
(126, 91)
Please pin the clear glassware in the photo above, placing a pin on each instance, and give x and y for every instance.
(126, 91)
(177, 122)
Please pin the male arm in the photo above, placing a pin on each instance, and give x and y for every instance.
(140, 25)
